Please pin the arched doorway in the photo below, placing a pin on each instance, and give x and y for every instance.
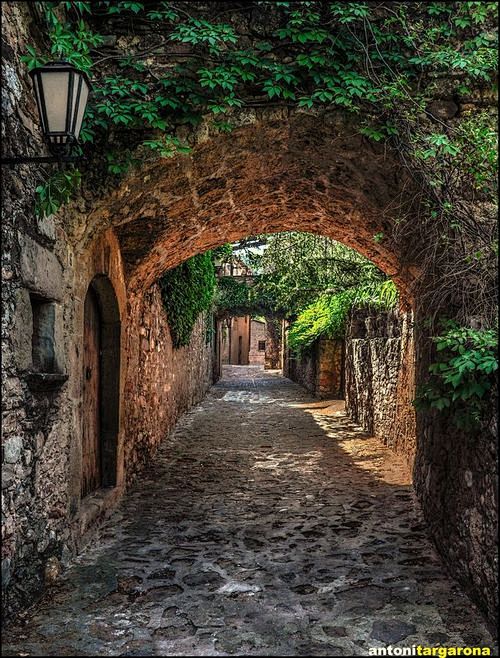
(101, 380)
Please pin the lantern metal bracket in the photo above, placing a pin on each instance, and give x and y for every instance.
(51, 159)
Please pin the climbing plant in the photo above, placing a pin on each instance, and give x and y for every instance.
(289, 270)
(187, 291)
(57, 190)
(327, 315)
(296, 267)
(233, 297)
(236, 298)
(462, 375)
(367, 59)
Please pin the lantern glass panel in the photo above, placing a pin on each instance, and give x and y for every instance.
(81, 99)
(55, 94)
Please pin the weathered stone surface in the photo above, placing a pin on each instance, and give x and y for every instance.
(466, 531)
(443, 109)
(52, 570)
(21, 340)
(161, 378)
(12, 448)
(46, 227)
(303, 369)
(298, 536)
(390, 632)
(379, 377)
(319, 369)
(41, 271)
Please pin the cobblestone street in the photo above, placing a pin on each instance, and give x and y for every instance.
(268, 524)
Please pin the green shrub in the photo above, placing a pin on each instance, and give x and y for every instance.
(327, 315)
(462, 376)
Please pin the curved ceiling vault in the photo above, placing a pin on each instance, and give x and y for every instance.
(300, 174)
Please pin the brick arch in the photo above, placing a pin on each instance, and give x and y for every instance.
(301, 173)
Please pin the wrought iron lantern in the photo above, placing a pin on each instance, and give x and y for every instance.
(61, 93)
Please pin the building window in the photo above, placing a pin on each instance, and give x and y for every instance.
(42, 342)
(262, 345)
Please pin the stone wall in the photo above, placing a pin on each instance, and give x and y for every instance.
(379, 377)
(329, 379)
(163, 382)
(32, 524)
(456, 480)
(319, 369)
(302, 369)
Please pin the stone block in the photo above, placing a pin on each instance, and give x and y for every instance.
(41, 272)
(8, 476)
(443, 109)
(12, 449)
(5, 572)
(23, 330)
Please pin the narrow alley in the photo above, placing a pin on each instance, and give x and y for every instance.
(268, 524)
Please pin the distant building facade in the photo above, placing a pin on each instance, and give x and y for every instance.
(243, 341)
(257, 353)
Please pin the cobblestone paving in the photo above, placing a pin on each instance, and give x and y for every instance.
(268, 525)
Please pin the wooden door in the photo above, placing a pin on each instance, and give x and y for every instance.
(91, 448)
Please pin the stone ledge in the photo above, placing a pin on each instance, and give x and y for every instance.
(41, 272)
(45, 381)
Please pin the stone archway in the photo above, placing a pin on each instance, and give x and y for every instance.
(275, 174)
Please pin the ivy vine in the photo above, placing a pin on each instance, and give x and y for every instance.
(365, 59)
(187, 291)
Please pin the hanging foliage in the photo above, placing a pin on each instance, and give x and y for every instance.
(187, 291)
(386, 63)
(327, 315)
